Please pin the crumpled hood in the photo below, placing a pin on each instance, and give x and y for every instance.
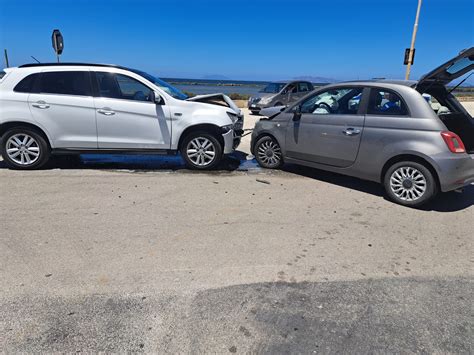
(209, 98)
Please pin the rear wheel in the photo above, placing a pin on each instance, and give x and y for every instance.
(268, 153)
(24, 148)
(201, 150)
(410, 184)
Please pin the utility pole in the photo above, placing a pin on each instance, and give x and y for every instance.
(413, 39)
(6, 58)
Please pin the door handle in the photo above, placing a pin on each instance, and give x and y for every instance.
(40, 104)
(106, 111)
(351, 131)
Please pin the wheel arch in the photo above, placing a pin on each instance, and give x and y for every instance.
(4, 127)
(206, 127)
(413, 158)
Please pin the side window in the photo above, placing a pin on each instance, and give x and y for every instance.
(291, 89)
(303, 87)
(118, 86)
(386, 102)
(26, 84)
(65, 83)
(341, 101)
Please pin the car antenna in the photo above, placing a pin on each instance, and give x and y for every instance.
(35, 59)
(454, 88)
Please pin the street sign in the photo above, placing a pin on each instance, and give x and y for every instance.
(407, 57)
(58, 42)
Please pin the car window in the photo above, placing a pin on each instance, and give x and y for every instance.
(386, 102)
(65, 83)
(26, 84)
(303, 87)
(2, 73)
(118, 86)
(342, 101)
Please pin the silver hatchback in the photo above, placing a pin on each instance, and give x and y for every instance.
(380, 131)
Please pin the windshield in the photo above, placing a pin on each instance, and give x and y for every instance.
(273, 88)
(169, 89)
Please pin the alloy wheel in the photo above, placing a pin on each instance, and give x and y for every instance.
(201, 151)
(269, 152)
(408, 183)
(23, 149)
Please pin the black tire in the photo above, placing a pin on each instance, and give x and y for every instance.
(192, 161)
(268, 153)
(39, 145)
(255, 112)
(407, 188)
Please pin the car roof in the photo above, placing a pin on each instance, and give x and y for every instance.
(34, 65)
(372, 82)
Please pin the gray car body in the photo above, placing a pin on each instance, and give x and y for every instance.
(282, 97)
(318, 140)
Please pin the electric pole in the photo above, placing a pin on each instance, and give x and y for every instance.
(413, 39)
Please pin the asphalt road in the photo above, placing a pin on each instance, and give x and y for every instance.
(138, 254)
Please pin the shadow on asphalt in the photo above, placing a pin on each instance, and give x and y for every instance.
(444, 202)
(138, 162)
(372, 316)
(237, 161)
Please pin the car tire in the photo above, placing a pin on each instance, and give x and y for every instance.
(23, 148)
(254, 112)
(268, 153)
(410, 184)
(201, 151)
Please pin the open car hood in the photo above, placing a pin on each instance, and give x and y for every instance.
(217, 99)
(451, 70)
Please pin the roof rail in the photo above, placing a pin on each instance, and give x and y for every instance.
(31, 65)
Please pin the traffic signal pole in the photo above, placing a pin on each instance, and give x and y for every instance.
(413, 39)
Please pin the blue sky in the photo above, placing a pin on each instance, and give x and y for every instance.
(242, 39)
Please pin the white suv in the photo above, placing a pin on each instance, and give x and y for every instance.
(74, 108)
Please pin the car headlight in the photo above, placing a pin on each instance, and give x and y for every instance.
(227, 128)
(233, 117)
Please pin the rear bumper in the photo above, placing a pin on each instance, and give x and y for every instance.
(455, 173)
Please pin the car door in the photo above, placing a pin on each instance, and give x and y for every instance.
(127, 118)
(329, 128)
(63, 105)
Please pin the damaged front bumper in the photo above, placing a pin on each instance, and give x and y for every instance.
(233, 136)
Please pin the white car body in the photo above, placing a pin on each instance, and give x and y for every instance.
(94, 123)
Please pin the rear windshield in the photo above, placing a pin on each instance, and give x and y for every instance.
(460, 65)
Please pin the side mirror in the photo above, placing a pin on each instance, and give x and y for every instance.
(297, 113)
(156, 98)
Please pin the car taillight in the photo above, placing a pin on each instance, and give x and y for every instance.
(453, 142)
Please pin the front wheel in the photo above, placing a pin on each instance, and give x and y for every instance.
(201, 151)
(410, 184)
(25, 149)
(268, 153)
